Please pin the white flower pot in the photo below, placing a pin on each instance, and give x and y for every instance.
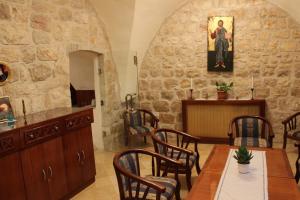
(244, 168)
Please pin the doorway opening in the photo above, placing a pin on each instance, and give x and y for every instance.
(87, 87)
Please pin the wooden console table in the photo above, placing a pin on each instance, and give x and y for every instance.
(51, 157)
(209, 119)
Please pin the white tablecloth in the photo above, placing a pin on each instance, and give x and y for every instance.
(251, 186)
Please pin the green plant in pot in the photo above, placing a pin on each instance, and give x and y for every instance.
(222, 89)
(243, 157)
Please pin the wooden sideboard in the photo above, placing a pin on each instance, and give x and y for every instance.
(209, 119)
(50, 157)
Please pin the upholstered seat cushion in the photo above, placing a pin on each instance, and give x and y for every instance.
(182, 157)
(250, 141)
(294, 133)
(135, 130)
(169, 183)
(136, 125)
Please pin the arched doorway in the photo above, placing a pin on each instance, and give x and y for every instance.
(87, 87)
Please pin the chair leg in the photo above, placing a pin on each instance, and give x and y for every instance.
(198, 167)
(189, 179)
(297, 177)
(126, 139)
(284, 142)
(145, 139)
(177, 192)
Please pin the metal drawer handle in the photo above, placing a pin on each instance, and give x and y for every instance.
(70, 124)
(88, 118)
(31, 136)
(56, 128)
(78, 157)
(44, 175)
(51, 172)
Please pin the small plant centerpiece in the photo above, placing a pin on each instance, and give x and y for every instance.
(243, 157)
(222, 89)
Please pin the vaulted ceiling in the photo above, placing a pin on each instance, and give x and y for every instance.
(132, 24)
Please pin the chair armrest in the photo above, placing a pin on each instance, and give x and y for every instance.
(174, 147)
(151, 114)
(146, 182)
(195, 139)
(162, 157)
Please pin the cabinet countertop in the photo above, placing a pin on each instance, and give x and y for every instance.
(39, 117)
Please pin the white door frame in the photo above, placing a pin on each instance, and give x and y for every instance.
(97, 125)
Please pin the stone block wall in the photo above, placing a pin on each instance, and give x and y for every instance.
(36, 37)
(266, 44)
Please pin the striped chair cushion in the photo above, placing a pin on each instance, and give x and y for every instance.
(135, 130)
(129, 163)
(250, 141)
(169, 183)
(295, 132)
(162, 137)
(182, 157)
(249, 127)
(135, 118)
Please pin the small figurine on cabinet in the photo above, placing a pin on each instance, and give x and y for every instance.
(6, 111)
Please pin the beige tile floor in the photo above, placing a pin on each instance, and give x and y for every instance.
(105, 186)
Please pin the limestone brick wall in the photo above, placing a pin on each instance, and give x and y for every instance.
(267, 44)
(36, 37)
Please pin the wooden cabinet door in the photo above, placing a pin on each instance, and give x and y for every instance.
(87, 153)
(72, 160)
(35, 173)
(55, 165)
(11, 178)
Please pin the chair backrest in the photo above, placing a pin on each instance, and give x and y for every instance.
(127, 164)
(135, 118)
(159, 147)
(251, 126)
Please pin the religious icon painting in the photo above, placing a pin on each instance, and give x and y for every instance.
(220, 44)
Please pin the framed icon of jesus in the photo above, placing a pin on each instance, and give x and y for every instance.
(220, 44)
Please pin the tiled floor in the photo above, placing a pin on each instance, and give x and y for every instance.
(106, 188)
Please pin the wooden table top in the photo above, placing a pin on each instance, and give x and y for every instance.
(281, 182)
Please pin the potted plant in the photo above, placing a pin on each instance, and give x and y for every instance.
(222, 89)
(243, 157)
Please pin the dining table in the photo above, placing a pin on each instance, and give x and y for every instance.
(281, 181)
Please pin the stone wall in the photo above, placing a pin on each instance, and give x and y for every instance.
(36, 37)
(267, 43)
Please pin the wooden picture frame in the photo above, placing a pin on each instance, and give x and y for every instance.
(220, 40)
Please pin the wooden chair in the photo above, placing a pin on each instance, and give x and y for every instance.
(291, 129)
(297, 175)
(139, 122)
(251, 131)
(133, 186)
(180, 152)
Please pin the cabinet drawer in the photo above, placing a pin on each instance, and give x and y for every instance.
(42, 132)
(80, 120)
(9, 142)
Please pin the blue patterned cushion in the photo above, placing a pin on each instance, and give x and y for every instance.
(135, 118)
(296, 134)
(135, 130)
(129, 163)
(249, 127)
(182, 157)
(169, 183)
(250, 142)
(162, 137)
